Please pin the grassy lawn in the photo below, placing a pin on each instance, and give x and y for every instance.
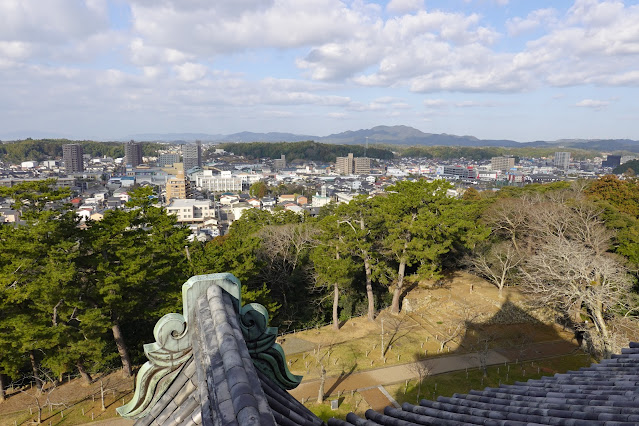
(347, 404)
(84, 411)
(404, 340)
(462, 381)
(456, 382)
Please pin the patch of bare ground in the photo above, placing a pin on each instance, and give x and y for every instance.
(66, 396)
(454, 315)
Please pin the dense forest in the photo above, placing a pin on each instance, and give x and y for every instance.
(49, 149)
(630, 168)
(86, 299)
(308, 150)
(485, 153)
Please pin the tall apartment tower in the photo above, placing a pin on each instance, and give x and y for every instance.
(132, 154)
(192, 155)
(362, 165)
(280, 163)
(72, 157)
(562, 160)
(353, 165)
(502, 163)
(345, 165)
(178, 187)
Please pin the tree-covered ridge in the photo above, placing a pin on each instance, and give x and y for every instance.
(486, 153)
(49, 149)
(308, 150)
(632, 166)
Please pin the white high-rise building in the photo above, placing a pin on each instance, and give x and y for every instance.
(192, 155)
(562, 160)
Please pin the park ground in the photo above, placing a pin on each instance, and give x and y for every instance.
(368, 369)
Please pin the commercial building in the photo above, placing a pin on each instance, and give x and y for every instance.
(612, 161)
(502, 163)
(132, 154)
(218, 183)
(458, 172)
(168, 159)
(562, 160)
(192, 155)
(72, 158)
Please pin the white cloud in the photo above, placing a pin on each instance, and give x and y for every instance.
(435, 103)
(592, 103)
(51, 21)
(212, 28)
(535, 19)
(404, 6)
(474, 104)
(278, 114)
(190, 71)
(187, 53)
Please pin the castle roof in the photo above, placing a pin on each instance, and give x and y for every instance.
(218, 364)
(602, 394)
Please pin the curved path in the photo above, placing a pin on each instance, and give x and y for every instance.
(374, 380)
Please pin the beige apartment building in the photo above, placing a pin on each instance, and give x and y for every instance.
(353, 165)
(178, 187)
(502, 163)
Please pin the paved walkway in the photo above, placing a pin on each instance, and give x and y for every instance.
(118, 421)
(371, 379)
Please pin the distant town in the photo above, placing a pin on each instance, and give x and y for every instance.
(208, 195)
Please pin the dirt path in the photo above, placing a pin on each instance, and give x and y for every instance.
(375, 398)
(399, 373)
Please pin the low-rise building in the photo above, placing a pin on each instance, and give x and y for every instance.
(191, 211)
(222, 182)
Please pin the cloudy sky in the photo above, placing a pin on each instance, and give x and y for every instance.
(512, 69)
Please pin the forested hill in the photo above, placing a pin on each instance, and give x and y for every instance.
(308, 150)
(49, 149)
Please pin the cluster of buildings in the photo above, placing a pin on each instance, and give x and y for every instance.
(209, 196)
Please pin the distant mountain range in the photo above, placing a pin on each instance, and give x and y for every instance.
(397, 135)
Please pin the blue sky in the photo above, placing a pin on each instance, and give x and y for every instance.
(495, 69)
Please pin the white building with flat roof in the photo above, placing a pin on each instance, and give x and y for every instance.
(191, 211)
(224, 182)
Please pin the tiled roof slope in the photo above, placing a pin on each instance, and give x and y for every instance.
(602, 394)
(218, 384)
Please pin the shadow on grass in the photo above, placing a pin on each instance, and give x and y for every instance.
(343, 376)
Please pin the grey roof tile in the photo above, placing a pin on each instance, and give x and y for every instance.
(220, 385)
(602, 394)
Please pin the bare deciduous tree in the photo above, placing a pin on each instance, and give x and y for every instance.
(322, 358)
(508, 218)
(482, 346)
(422, 369)
(569, 269)
(497, 263)
(42, 395)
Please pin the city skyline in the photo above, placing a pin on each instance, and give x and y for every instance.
(494, 69)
